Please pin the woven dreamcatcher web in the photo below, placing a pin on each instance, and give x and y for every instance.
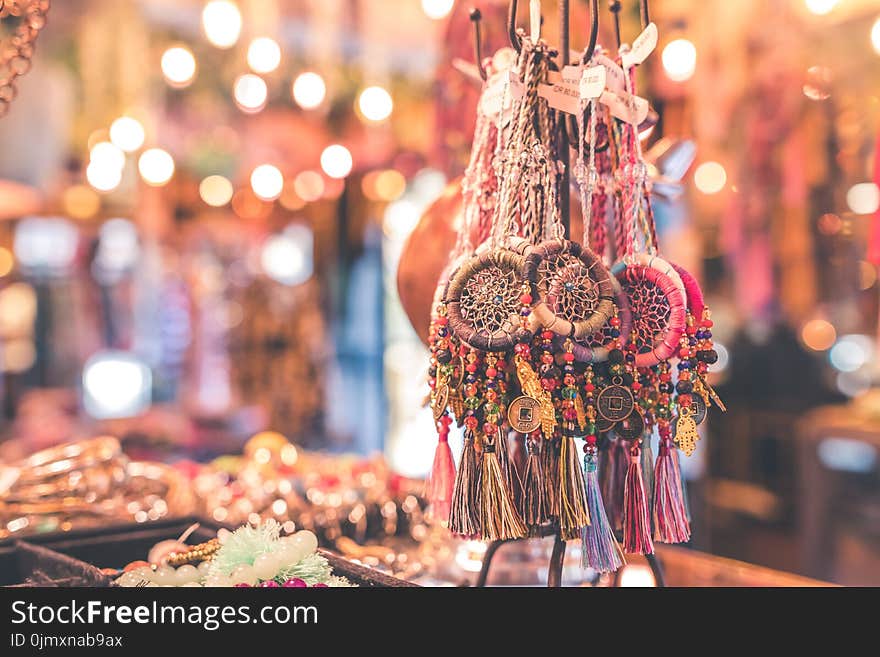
(483, 301)
(595, 348)
(573, 288)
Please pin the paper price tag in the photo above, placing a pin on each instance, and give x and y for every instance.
(626, 107)
(592, 82)
(502, 88)
(563, 92)
(615, 80)
(642, 47)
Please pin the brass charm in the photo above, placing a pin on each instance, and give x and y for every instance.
(524, 414)
(456, 403)
(457, 376)
(531, 387)
(615, 402)
(581, 412)
(686, 434)
(441, 399)
(603, 425)
(713, 395)
(631, 427)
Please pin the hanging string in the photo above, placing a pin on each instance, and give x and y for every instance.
(587, 176)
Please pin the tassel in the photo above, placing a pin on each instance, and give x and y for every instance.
(534, 507)
(613, 478)
(573, 514)
(648, 469)
(508, 469)
(683, 482)
(550, 463)
(599, 548)
(636, 523)
(670, 517)
(498, 517)
(441, 482)
(464, 516)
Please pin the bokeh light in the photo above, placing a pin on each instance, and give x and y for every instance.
(102, 177)
(336, 161)
(264, 55)
(851, 352)
(156, 166)
(267, 182)
(679, 59)
(7, 261)
(250, 92)
(80, 202)
(710, 177)
(875, 36)
(309, 90)
(216, 191)
(178, 66)
(818, 334)
(221, 21)
(437, 9)
(375, 104)
(106, 155)
(820, 7)
(127, 134)
(309, 186)
(863, 198)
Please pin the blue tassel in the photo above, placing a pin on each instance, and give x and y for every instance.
(599, 548)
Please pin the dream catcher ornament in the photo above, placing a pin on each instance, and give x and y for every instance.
(17, 53)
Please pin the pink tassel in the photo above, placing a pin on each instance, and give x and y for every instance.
(670, 516)
(441, 481)
(636, 523)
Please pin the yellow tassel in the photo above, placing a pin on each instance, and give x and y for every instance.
(498, 516)
(573, 513)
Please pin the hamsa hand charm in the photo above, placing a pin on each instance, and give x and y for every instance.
(686, 434)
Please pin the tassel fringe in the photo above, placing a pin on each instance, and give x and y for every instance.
(464, 516)
(498, 515)
(534, 506)
(441, 482)
(636, 522)
(670, 516)
(599, 548)
(550, 466)
(573, 514)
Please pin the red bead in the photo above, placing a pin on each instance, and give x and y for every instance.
(491, 372)
(442, 321)
(690, 330)
(470, 422)
(684, 353)
(591, 439)
(636, 386)
(471, 367)
(489, 428)
(684, 400)
(615, 322)
(568, 357)
(589, 387)
(526, 299)
(708, 323)
(500, 365)
(547, 335)
(547, 359)
(446, 420)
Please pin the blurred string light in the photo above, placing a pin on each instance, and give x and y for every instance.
(846, 454)
(636, 575)
(875, 36)
(863, 198)
(250, 92)
(288, 256)
(309, 90)
(679, 59)
(178, 66)
(853, 384)
(437, 9)
(267, 182)
(386, 185)
(428, 184)
(216, 191)
(710, 177)
(45, 244)
(264, 55)
(7, 261)
(375, 104)
(820, 7)
(103, 178)
(127, 134)
(116, 384)
(336, 161)
(830, 224)
(851, 352)
(18, 355)
(248, 206)
(80, 202)
(221, 21)
(156, 167)
(818, 334)
(309, 186)
(106, 155)
(333, 188)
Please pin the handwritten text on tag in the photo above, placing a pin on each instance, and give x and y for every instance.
(626, 107)
(592, 82)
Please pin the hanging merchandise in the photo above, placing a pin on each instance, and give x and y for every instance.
(537, 343)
